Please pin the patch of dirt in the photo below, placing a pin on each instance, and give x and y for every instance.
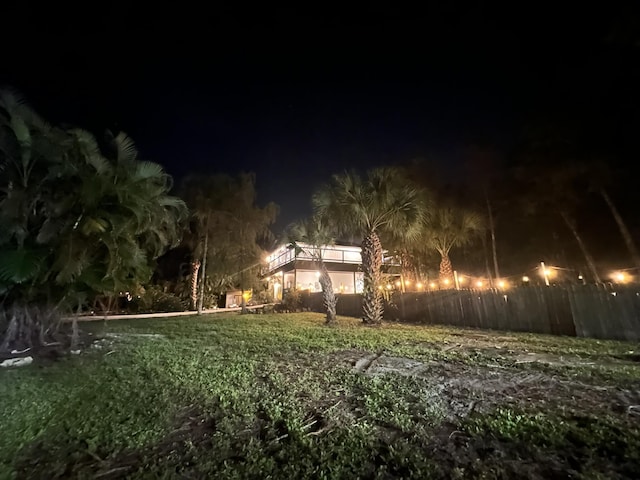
(191, 427)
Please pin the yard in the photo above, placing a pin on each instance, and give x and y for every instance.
(282, 396)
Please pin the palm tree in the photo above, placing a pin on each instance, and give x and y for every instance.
(600, 177)
(383, 201)
(310, 237)
(553, 189)
(447, 228)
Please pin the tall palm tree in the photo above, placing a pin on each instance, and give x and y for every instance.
(553, 188)
(382, 201)
(600, 178)
(311, 236)
(450, 227)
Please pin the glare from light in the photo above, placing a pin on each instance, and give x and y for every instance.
(446, 281)
(389, 287)
(317, 274)
(460, 279)
(432, 285)
(379, 287)
(397, 284)
(502, 284)
(407, 282)
(479, 284)
(580, 277)
(419, 285)
(619, 277)
(525, 279)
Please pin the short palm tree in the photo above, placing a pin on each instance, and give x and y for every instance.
(383, 201)
(447, 228)
(311, 236)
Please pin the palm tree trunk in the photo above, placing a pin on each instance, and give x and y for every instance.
(328, 295)
(486, 259)
(493, 236)
(372, 308)
(587, 256)
(203, 269)
(408, 267)
(446, 271)
(195, 268)
(624, 231)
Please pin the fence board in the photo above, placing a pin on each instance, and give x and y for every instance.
(582, 310)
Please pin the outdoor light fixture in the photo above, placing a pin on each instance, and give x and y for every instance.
(432, 285)
(502, 284)
(525, 279)
(446, 281)
(479, 284)
(407, 282)
(619, 277)
(397, 284)
(419, 285)
(389, 287)
(460, 279)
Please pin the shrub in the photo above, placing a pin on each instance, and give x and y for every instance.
(292, 300)
(155, 299)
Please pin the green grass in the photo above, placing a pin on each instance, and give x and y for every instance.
(275, 396)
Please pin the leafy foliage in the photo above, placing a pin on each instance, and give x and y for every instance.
(226, 218)
(75, 219)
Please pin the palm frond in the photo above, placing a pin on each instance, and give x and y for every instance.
(19, 266)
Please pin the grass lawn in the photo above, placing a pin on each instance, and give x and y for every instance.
(282, 396)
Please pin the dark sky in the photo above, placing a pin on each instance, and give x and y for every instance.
(296, 95)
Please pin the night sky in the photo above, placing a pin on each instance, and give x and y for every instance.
(298, 95)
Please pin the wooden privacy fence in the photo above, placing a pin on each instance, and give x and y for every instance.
(576, 310)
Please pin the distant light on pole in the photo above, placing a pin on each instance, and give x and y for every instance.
(525, 279)
(545, 273)
(620, 277)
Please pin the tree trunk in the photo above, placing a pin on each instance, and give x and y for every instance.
(328, 295)
(195, 268)
(371, 267)
(493, 236)
(587, 256)
(624, 231)
(243, 303)
(408, 268)
(446, 271)
(486, 259)
(203, 270)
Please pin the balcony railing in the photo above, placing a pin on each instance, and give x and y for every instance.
(333, 254)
